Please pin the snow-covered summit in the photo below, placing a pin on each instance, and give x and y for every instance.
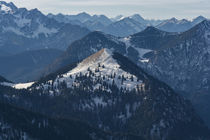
(23, 22)
(104, 56)
(7, 7)
(103, 65)
(31, 30)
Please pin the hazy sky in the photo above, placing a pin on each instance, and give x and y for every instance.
(147, 8)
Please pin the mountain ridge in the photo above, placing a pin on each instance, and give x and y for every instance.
(113, 85)
(23, 29)
(184, 65)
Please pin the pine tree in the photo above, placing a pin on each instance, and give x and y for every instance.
(113, 83)
(132, 78)
(114, 75)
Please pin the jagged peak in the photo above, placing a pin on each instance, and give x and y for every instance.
(137, 16)
(173, 20)
(128, 20)
(5, 3)
(36, 11)
(170, 21)
(7, 7)
(199, 18)
(183, 21)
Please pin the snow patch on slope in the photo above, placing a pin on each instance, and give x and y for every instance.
(21, 22)
(44, 30)
(109, 70)
(140, 51)
(23, 85)
(17, 86)
(14, 30)
(40, 30)
(5, 8)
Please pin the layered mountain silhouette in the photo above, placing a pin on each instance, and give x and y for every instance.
(124, 26)
(110, 92)
(22, 29)
(181, 60)
(184, 65)
(95, 77)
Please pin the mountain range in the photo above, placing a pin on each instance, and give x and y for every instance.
(184, 65)
(111, 93)
(175, 25)
(124, 26)
(179, 59)
(134, 46)
(22, 29)
(94, 77)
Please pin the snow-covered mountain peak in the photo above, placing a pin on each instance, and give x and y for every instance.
(101, 66)
(118, 18)
(173, 20)
(7, 7)
(104, 56)
(183, 21)
(100, 56)
(199, 17)
(27, 23)
(137, 17)
(198, 20)
(170, 21)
